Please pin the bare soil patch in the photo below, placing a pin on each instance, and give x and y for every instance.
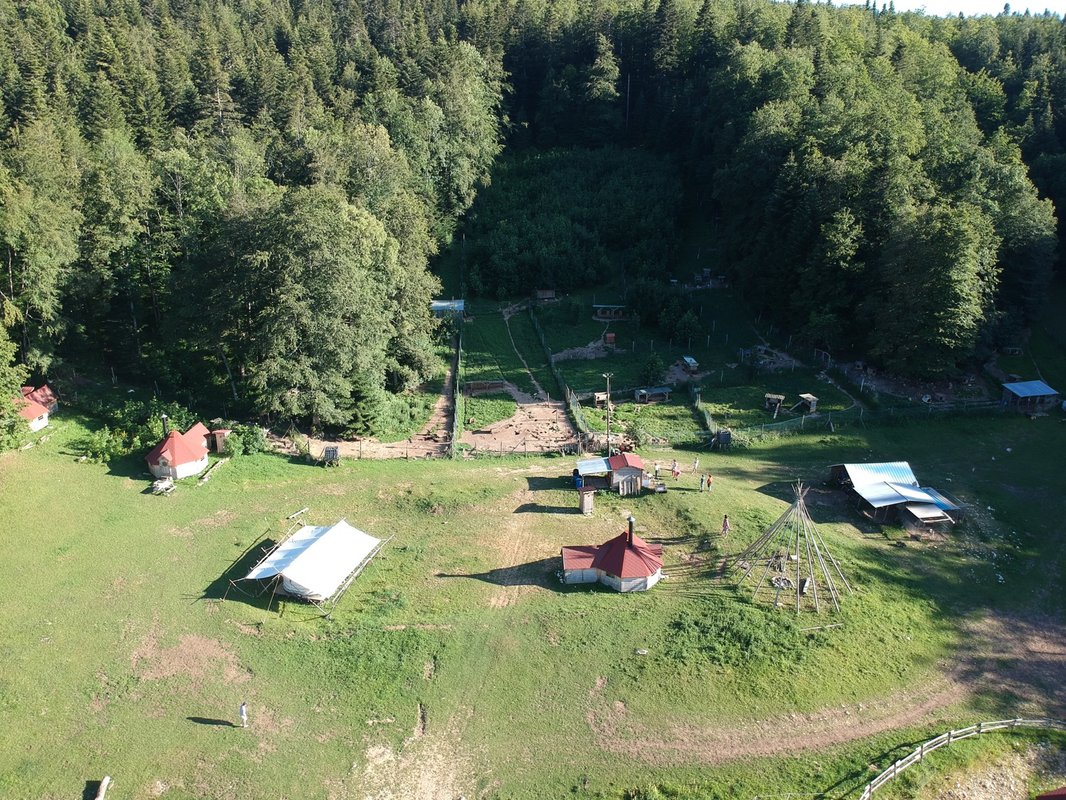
(431, 766)
(538, 426)
(594, 349)
(432, 441)
(195, 657)
(1006, 778)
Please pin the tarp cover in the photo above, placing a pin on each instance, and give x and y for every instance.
(315, 561)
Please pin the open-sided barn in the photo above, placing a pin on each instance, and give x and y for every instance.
(891, 487)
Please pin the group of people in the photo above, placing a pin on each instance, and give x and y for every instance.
(706, 483)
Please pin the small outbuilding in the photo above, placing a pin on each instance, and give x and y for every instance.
(180, 455)
(606, 311)
(652, 394)
(447, 308)
(690, 365)
(44, 395)
(626, 563)
(1029, 396)
(626, 473)
(34, 413)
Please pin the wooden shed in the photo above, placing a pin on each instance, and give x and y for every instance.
(606, 311)
(652, 394)
(627, 473)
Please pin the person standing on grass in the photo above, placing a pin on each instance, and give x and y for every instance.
(695, 464)
(725, 525)
(656, 470)
(710, 482)
(675, 470)
(703, 483)
(244, 714)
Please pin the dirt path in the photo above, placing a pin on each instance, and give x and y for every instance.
(509, 312)
(538, 426)
(1004, 657)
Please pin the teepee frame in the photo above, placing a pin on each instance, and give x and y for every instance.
(792, 555)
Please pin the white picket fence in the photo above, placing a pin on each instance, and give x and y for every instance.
(953, 736)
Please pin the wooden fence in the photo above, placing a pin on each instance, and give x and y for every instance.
(945, 739)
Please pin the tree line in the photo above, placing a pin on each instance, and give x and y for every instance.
(240, 200)
(883, 185)
(237, 200)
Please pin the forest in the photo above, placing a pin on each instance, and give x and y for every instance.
(241, 201)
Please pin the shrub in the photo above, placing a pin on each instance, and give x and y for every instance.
(246, 440)
(733, 635)
(651, 374)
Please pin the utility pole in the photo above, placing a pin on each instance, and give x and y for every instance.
(608, 376)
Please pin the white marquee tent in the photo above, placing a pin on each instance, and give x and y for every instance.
(318, 563)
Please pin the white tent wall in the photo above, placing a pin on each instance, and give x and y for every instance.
(315, 562)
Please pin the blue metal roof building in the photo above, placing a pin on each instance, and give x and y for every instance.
(892, 484)
(1029, 395)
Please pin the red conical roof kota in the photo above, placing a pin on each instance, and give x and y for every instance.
(624, 560)
(177, 449)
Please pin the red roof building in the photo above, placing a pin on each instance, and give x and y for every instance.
(1055, 793)
(43, 395)
(626, 473)
(626, 461)
(33, 412)
(626, 563)
(179, 454)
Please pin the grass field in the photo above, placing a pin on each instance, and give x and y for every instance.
(488, 354)
(485, 409)
(457, 661)
(673, 421)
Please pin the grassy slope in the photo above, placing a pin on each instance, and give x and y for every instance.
(108, 649)
(485, 409)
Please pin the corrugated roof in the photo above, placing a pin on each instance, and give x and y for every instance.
(593, 466)
(880, 494)
(1029, 389)
(579, 556)
(623, 560)
(941, 501)
(441, 306)
(884, 472)
(626, 460)
(42, 394)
